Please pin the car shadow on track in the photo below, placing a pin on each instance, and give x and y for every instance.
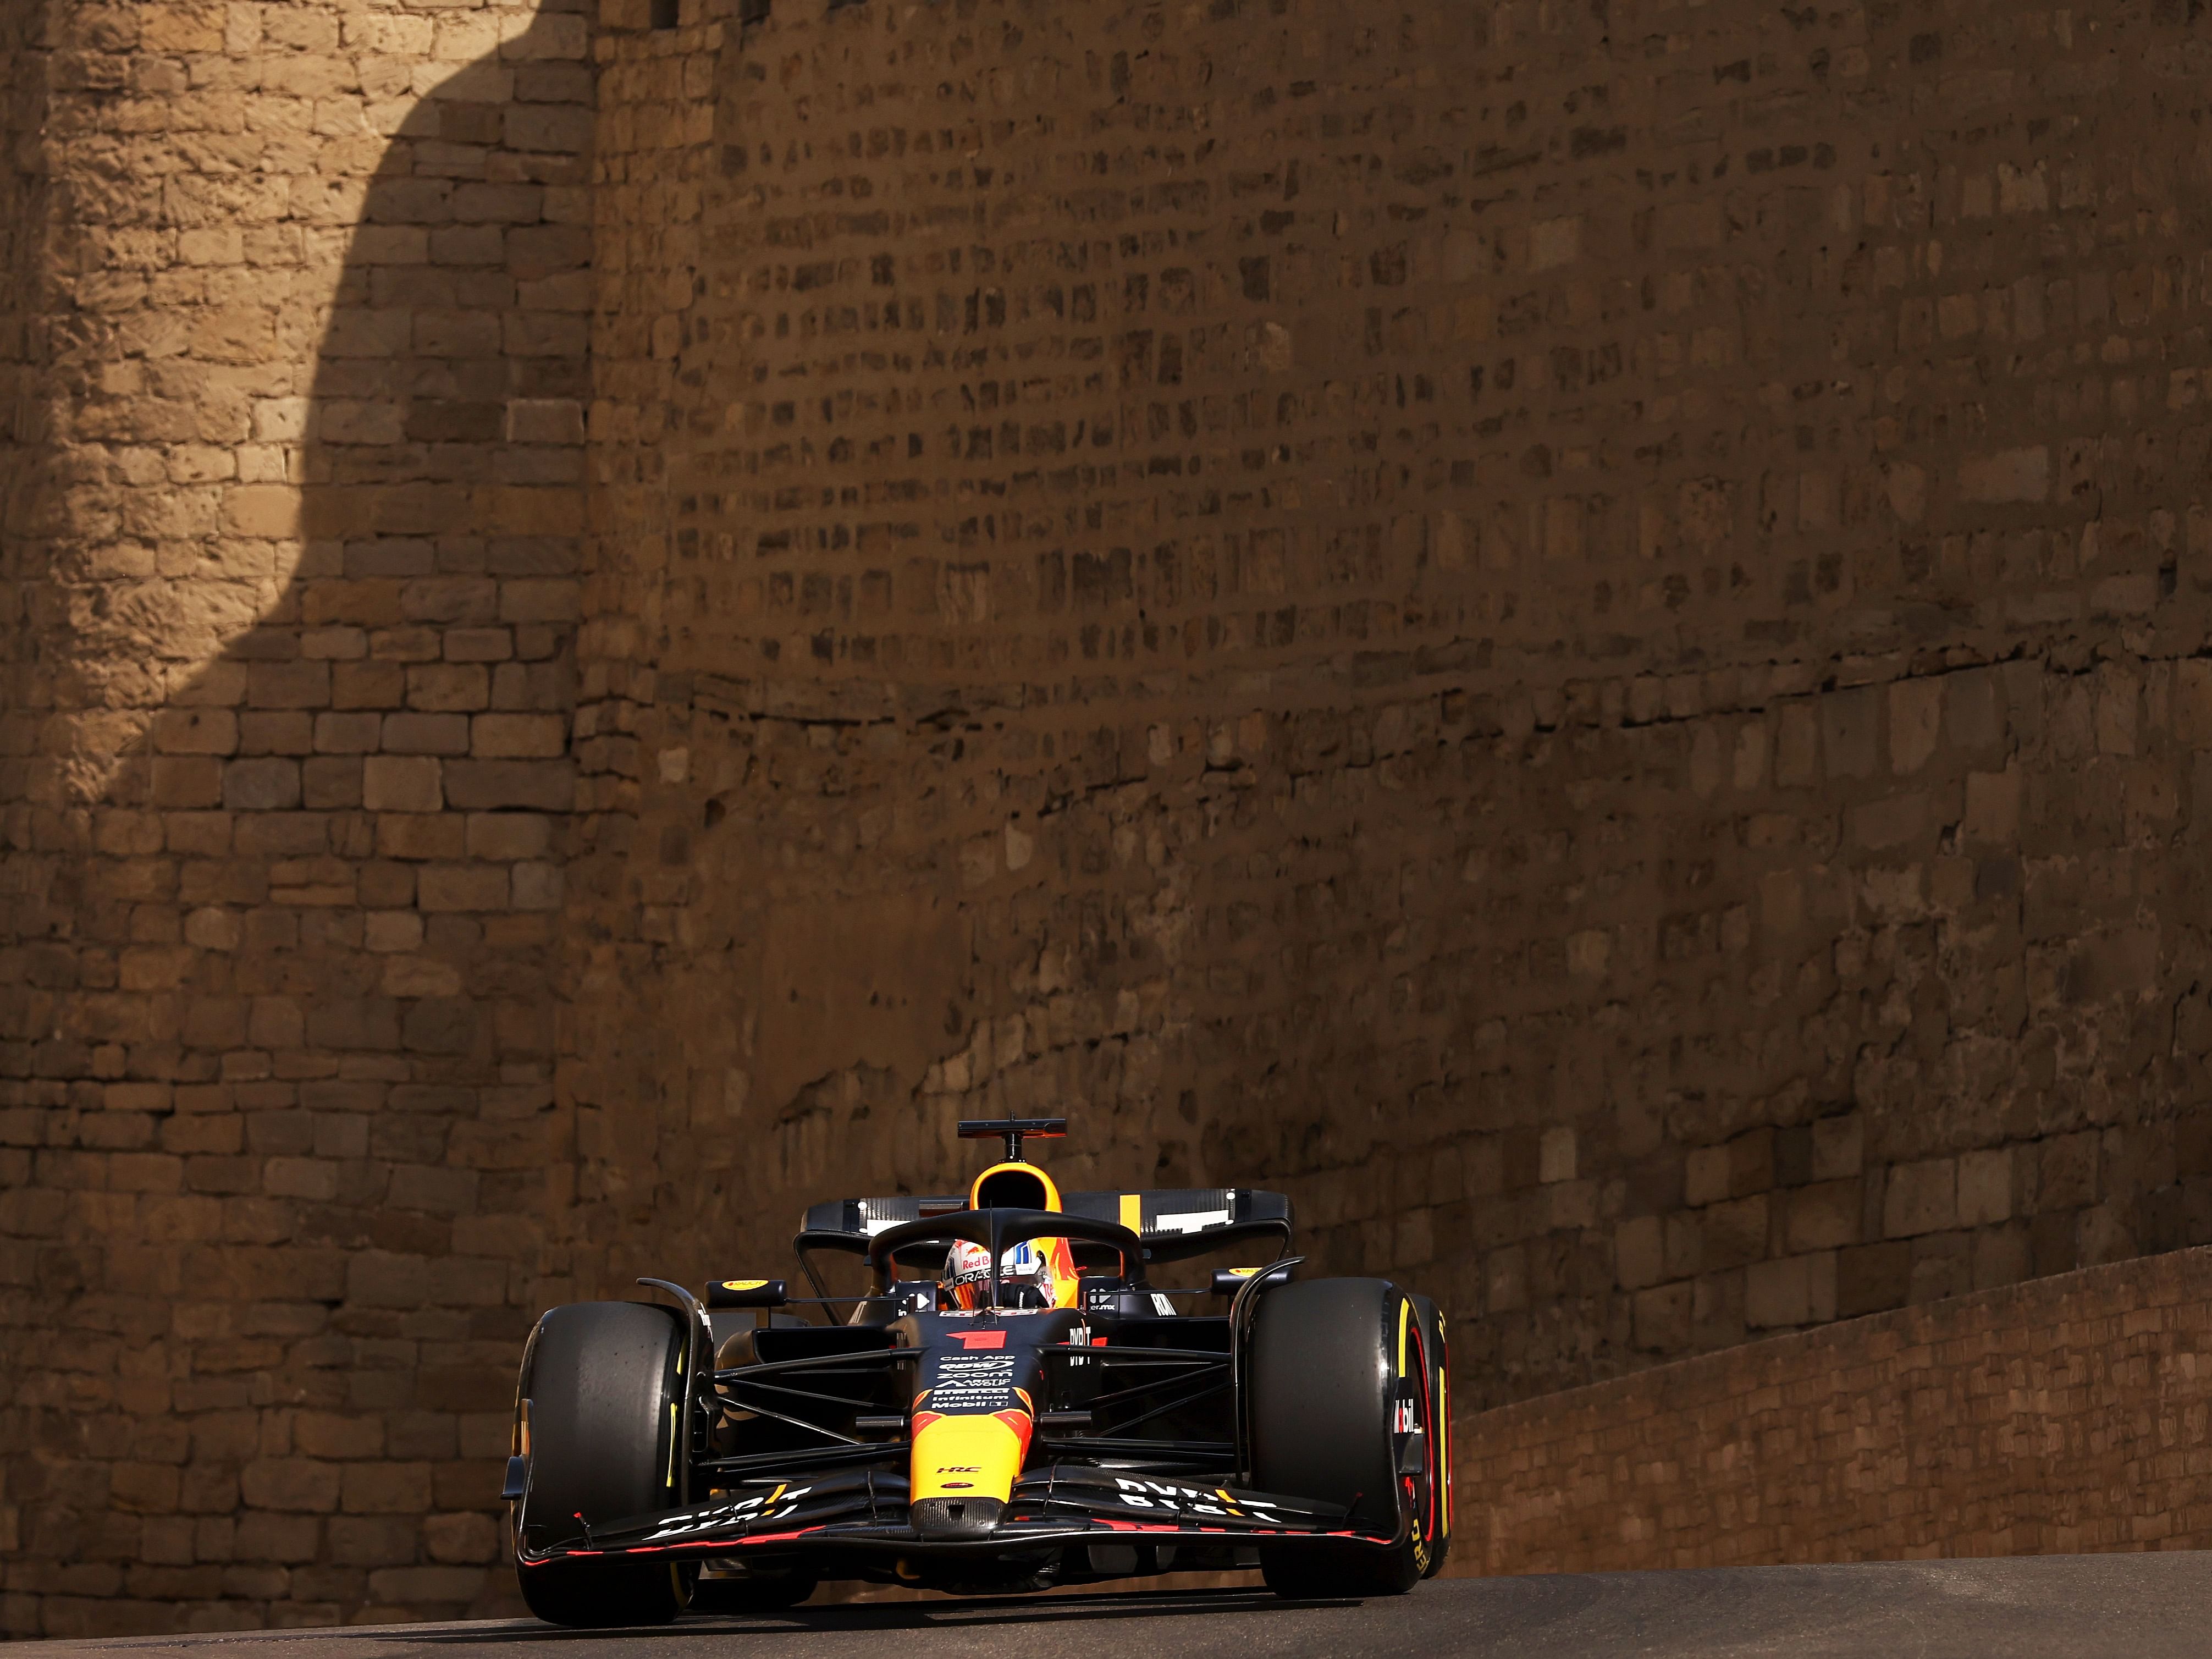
(890, 1616)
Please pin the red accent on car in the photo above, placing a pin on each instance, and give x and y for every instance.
(972, 1341)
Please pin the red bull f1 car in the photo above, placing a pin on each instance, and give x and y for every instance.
(1009, 1404)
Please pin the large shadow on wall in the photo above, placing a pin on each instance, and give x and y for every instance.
(376, 767)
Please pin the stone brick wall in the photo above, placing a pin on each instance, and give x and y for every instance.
(287, 759)
(2060, 1415)
(1575, 637)
(22, 218)
(653, 153)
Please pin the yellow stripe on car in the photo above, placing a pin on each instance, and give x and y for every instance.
(1444, 1444)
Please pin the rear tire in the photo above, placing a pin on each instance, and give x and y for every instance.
(603, 1380)
(1325, 1392)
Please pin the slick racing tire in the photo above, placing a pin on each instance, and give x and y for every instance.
(1343, 1409)
(603, 1379)
(1438, 1525)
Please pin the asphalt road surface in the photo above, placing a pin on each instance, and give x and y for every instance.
(2065, 1606)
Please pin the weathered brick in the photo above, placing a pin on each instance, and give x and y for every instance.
(1985, 1183)
(260, 786)
(196, 732)
(1920, 1198)
(426, 734)
(464, 887)
(287, 685)
(448, 686)
(401, 783)
(2011, 474)
(290, 1483)
(509, 834)
(181, 781)
(517, 736)
(420, 836)
(479, 785)
(356, 733)
(373, 1488)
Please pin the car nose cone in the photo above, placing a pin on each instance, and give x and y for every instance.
(956, 1518)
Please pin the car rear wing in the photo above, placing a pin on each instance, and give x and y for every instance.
(1175, 1223)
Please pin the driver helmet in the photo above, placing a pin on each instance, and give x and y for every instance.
(1025, 1275)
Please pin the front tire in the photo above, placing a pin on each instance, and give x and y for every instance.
(1437, 1522)
(603, 1382)
(1344, 1409)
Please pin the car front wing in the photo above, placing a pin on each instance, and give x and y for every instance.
(866, 1510)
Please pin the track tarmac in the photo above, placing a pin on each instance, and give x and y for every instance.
(2062, 1607)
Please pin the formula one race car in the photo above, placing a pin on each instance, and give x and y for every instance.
(1035, 1413)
